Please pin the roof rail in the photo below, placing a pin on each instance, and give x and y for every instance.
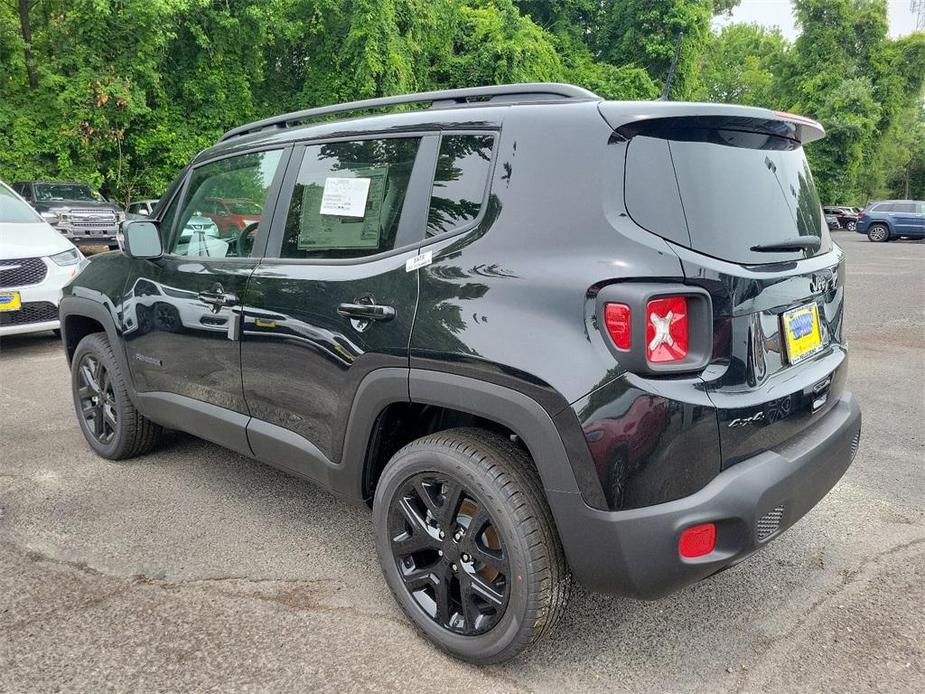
(528, 91)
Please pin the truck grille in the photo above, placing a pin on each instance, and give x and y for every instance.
(769, 523)
(92, 219)
(21, 272)
(31, 312)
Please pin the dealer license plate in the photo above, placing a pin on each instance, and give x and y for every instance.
(10, 301)
(801, 332)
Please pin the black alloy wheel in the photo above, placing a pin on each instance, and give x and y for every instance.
(111, 424)
(449, 554)
(468, 545)
(97, 399)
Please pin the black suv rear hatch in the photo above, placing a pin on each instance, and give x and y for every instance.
(733, 193)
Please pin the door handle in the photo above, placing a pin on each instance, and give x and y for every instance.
(217, 298)
(366, 311)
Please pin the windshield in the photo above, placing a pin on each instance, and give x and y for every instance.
(65, 191)
(723, 192)
(15, 211)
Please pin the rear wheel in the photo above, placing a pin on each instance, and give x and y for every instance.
(107, 417)
(878, 233)
(468, 546)
(852, 226)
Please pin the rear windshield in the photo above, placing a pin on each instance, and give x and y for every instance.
(721, 192)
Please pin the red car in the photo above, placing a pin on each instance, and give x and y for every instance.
(232, 216)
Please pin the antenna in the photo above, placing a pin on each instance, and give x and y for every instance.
(666, 90)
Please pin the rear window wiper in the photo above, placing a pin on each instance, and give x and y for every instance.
(801, 243)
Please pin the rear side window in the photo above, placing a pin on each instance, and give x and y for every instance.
(721, 192)
(348, 198)
(460, 182)
(884, 207)
(904, 207)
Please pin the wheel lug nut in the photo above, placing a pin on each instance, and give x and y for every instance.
(457, 536)
(442, 534)
(454, 567)
(439, 552)
(465, 557)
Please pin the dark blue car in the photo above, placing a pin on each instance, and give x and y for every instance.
(892, 219)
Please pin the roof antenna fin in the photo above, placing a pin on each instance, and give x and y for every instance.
(666, 90)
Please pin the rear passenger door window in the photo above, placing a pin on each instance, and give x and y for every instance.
(348, 199)
(460, 182)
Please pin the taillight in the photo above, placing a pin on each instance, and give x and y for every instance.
(697, 540)
(667, 335)
(861, 214)
(617, 318)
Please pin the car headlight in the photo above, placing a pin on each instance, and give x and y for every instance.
(69, 257)
(50, 217)
(120, 215)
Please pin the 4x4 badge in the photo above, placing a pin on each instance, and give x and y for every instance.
(419, 261)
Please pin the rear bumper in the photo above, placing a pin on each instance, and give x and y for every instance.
(635, 552)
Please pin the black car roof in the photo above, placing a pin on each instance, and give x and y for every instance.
(484, 107)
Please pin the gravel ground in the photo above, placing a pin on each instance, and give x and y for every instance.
(196, 569)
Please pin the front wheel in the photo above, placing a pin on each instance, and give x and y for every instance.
(878, 233)
(468, 545)
(107, 417)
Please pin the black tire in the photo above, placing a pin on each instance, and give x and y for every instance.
(498, 479)
(123, 432)
(852, 226)
(878, 233)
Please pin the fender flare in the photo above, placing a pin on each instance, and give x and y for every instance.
(563, 462)
(71, 305)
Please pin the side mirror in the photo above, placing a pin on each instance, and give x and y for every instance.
(141, 239)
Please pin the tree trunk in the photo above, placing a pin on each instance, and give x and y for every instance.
(26, 27)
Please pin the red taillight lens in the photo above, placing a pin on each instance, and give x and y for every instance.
(618, 320)
(861, 214)
(697, 540)
(666, 329)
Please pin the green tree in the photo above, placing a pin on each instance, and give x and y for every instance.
(741, 65)
(644, 33)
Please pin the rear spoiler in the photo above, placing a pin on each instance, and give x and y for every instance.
(630, 118)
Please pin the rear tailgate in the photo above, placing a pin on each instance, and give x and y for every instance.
(727, 186)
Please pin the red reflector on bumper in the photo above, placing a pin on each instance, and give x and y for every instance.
(697, 540)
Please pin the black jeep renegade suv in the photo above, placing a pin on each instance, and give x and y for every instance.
(543, 334)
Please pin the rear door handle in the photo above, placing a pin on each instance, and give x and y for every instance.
(366, 311)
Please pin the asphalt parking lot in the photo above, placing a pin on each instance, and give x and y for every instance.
(197, 569)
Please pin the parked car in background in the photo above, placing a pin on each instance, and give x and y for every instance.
(843, 217)
(75, 210)
(892, 219)
(35, 263)
(140, 209)
(231, 216)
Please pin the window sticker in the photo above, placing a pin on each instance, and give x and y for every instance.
(322, 230)
(345, 197)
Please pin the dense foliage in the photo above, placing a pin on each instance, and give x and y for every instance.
(122, 93)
